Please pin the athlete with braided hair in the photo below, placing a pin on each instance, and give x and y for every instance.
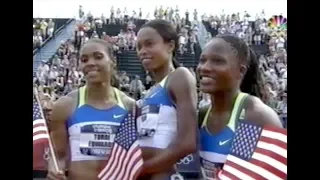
(229, 72)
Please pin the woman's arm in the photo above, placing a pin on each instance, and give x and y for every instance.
(58, 132)
(182, 87)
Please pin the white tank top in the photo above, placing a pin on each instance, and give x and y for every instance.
(157, 125)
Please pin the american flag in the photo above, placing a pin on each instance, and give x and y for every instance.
(125, 160)
(40, 131)
(257, 153)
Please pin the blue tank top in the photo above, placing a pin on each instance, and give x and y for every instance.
(157, 124)
(92, 131)
(214, 148)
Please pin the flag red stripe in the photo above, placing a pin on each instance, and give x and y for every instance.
(229, 175)
(137, 173)
(132, 163)
(276, 129)
(272, 155)
(126, 164)
(273, 141)
(40, 132)
(244, 170)
(109, 165)
(269, 168)
(123, 163)
(115, 162)
(135, 161)
(40, 124)
(111, 158)
(39, 141)
(119, 162)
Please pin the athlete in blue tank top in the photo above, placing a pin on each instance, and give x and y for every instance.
(228, 67)
(167, 125)
(84, 122)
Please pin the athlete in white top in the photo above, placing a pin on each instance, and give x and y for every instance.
(167, 125)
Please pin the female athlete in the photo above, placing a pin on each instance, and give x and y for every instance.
(85, 121)
(167, 125)
(229, 72)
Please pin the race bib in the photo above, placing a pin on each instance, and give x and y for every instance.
(209, 169)
(97, 139)
(148, 121)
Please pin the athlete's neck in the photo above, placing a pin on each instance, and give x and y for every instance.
(99, 91)
(223, 101)
(162, 72)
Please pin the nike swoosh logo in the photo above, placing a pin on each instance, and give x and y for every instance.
(117, 116)
(221, 143)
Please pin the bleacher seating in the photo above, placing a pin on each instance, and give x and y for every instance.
(114, 29)
(128, 61)
(58, 21)
(259, 49)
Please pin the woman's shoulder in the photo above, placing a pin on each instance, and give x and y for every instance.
(182, 73)
(260, 113)
(64, 106)
(182, 78)
(128, 102)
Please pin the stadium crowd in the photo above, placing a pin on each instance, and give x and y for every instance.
(41, 31)
(61, 75)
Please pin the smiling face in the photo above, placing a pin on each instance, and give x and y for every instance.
(152, 50)
(95, 62)
(219, 67)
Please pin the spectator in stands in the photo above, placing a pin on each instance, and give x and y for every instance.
(282, 108)
(43, 69)
(53, 75)
(37, 27)
(81, 13)
(124, 81)
(94, 34)
(51, 27)
(131, 40)
(257, 37)
(136, 87)
(112, 19)
(37, 40)
(148, 82)
(140, 13)
(119, 16)
(125, 15)
(122, 43)
(103, 19)
(183, 40)
(195, 15)
(205, 100)
(193, 41)
(44, 26)
(98, 23)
